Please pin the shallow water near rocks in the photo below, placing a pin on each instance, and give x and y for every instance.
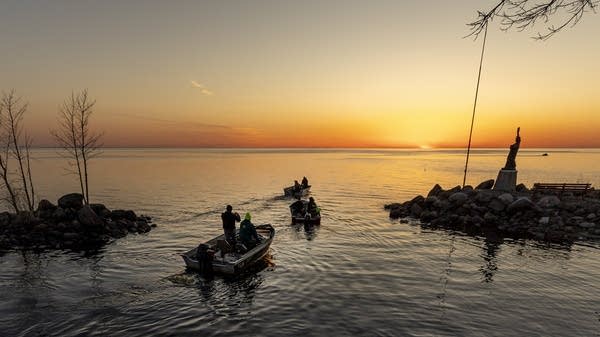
(359, 273)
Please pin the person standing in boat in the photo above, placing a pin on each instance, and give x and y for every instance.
(304, 182)
(248, 234)
(229, 219)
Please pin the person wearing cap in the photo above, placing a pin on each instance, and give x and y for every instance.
(248, 234)
(229, 219)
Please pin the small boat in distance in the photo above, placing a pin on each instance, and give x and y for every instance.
(289, 191)
(232, 263)
(544, 154)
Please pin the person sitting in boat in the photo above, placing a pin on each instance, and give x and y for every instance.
(248, 234)
(229, 219)
(312, 208)
(304, 182)
(297, 207)
(297, 186)
(204, 256)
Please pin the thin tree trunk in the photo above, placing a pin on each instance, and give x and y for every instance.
(28, 162)
(13, 197)
(18, 154)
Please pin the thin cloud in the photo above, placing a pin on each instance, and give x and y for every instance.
(202, 88)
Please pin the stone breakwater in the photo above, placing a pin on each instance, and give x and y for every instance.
(68, 225)
(551, 217)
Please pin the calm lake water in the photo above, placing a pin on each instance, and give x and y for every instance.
(359, 273)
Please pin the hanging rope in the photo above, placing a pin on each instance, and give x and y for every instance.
(474, 106)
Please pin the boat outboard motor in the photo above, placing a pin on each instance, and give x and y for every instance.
(205, 259)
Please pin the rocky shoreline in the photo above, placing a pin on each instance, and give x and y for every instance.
(523, 213)
(68, 225)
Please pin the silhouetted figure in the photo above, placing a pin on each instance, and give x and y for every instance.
(297, 186)
(229, 219)
(311, 207)
(248, 235)
(297, 207)
(205, 258)
(511, 164)
(304, 182)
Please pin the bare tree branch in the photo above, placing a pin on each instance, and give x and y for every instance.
(79, 143)
(17, 147)
(523, 14)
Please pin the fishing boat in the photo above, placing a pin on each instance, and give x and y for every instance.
(232, 263)
(289, 191)
(301, 216)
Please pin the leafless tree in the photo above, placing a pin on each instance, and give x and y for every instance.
(74, 136)
(16, 146)
(522, 14)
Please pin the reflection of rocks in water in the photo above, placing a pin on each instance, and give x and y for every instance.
(490, 250)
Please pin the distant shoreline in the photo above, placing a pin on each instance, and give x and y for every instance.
(531, 149)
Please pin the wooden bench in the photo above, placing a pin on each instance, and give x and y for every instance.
(562, 187)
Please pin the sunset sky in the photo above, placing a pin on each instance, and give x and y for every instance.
(299, 73)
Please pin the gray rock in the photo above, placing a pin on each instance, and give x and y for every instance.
(45, 205)
(431, 200)
(130, 215)
(458, 198)
(435, 190)
(485, 185)
(591, 216)
(415, 210)
(484, 196)
(496, 205)
(544, 220)
(549, 201)
(71, 200)
(521, 188)
(520, 204)
(88, 218)
(506, 198)
(587, 225)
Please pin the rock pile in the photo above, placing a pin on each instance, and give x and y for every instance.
(520, 214)
(70, 224)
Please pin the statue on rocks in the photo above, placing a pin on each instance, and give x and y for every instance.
(511, 164)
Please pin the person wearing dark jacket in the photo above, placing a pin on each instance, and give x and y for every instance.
(297, 186)
(312, 208)
(248, 234)
(229, 219)
(304, 182)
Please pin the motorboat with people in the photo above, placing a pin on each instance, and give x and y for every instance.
(297, 190)
(226, 259)
(303, 212)
(291, 191)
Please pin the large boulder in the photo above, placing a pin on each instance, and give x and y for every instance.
(458, 198)
(88, 218)
(485, 185)
(45, 205)
(435, 190)
(496, 205)
(506, 198)
(549, 201)
(71, 200)
(130, 215)
(520, 204)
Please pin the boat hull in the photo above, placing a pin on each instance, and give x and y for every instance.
(243, 262)
(289, 192)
